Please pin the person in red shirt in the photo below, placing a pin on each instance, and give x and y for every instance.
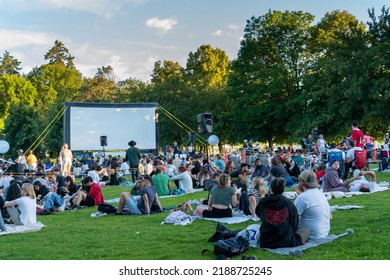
(356, 134)
(92, 197)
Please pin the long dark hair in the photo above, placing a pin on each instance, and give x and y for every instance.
(13, 192)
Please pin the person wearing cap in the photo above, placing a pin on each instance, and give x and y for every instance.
(133, 156)
(279, 219)
(142, 205)
(161, 182)
(312, 206)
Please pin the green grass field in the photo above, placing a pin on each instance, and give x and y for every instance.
(75, 235)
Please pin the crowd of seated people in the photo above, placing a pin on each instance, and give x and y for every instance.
(230, 183)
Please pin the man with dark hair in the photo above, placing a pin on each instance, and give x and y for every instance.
(144, 204)
(133, 157)
(239, 177)
(93, 195)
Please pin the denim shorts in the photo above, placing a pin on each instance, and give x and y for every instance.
(131, 203)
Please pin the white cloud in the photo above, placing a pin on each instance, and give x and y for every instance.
(163, 24)
(126, 64)
(217, 33)
(234, 27)
(18, 38)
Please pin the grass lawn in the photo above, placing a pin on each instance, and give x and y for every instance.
(74, 235)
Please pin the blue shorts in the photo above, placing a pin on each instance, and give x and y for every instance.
(131, 203)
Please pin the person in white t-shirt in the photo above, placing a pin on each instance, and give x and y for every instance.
(361, 184)
(313, 207)
(26, 212)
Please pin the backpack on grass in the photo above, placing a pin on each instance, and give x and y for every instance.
(229, 243)
(231, 247)
(106, 208)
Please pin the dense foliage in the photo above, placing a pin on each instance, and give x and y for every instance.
(291, 75)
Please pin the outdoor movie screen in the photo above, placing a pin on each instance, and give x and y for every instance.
(85, 123)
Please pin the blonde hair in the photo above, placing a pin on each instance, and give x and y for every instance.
(29, 190)
(223, 180)
(259, 184)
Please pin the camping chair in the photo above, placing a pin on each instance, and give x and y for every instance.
(360, 159)
(336, 155)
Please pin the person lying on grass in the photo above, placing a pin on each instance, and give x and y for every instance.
(142, 205)
(360, 183)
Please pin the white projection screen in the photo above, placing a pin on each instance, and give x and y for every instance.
(85, 123)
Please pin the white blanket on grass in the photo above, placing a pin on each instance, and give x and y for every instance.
(345, 207)
(382, 186)
(238, 217)
(24, 228)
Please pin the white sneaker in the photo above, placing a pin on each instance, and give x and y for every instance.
(98, 214)
(255, 219)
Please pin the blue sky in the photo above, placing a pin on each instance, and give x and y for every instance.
(131, 35)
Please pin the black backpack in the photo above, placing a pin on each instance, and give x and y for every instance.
(222, 232)
(106, 208)
(227, 243)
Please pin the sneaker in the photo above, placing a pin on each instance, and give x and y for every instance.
(98, 214)
(255, 219)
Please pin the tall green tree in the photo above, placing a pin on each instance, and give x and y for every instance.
(9, 65)
(60, 55)
(267, 76)
(377, 61)
(170, 89)
(208, 68)
(14, 90)
(21, 128)
(101, 88)
(335, 90)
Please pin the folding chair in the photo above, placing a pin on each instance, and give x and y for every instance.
(336, 155)
(360, 159)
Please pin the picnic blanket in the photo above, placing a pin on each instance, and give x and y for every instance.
(345, 207)
(380, 187)
(238, 217)
(254, 231)
(179, 218)
(23, 228)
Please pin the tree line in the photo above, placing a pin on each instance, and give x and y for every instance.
(291, 75)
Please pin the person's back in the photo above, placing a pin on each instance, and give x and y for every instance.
(312, 206)
(96, 193)
(279, 222)
(356, 134)
(160, 182)
(185, 180)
